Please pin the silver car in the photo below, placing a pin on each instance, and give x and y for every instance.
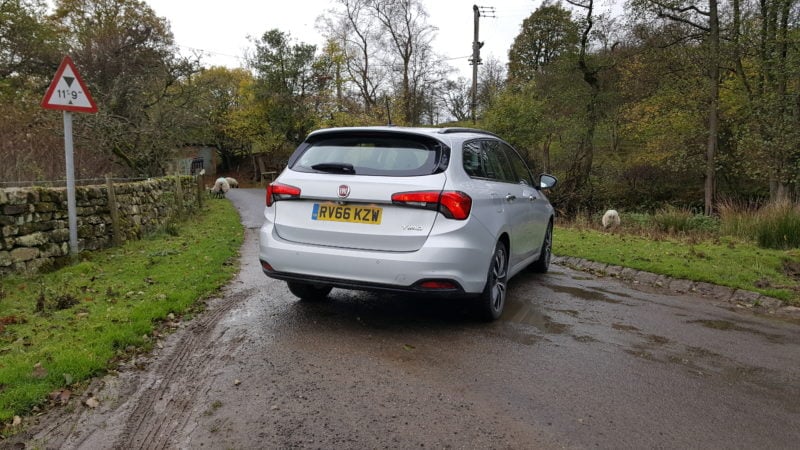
(447, 211)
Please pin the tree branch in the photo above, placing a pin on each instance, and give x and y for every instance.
(665, 15)
(680, 10)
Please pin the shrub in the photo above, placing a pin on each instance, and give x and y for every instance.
(737, 219)
(778, 226)
(683, 220)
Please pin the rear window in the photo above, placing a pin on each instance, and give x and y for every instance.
(381, 154)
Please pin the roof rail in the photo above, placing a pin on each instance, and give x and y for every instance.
(466, 130)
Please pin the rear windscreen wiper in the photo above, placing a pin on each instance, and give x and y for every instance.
(334, 168)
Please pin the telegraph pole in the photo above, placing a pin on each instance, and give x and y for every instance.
(476, 53)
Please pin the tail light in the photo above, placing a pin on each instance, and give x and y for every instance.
(453, 204)
(278, 191)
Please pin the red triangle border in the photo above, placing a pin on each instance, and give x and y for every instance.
(67, 61)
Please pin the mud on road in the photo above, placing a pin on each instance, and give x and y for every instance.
(576, 361)
(258, 369)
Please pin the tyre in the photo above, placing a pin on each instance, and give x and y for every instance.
(542, 265)
(492, 300)
(309, 292)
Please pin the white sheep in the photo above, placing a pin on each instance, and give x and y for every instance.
(232, 182)
(221, 186)
(611, 219)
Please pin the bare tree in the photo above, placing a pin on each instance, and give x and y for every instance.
(491, 82)
(456, 98)
(356, 28)
(408, 36)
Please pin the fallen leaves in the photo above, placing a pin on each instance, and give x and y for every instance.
(10, 320)
(60, 397)
(91, 402)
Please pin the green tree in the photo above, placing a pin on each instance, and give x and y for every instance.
(547, 34)
(30, 50)
(701, 19)
(218, 93)
(280, 111)
(766, 55)
(29, 44)
(517, 105)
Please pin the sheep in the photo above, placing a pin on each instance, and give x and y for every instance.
(221, 186)
(232, 182)
(611, 219)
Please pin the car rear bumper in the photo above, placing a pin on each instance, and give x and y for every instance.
(456, 291)
(443, 257)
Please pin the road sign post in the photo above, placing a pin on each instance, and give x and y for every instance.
(72, 204)
(68, 93)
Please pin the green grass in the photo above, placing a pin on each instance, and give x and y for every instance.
(79, 321)
(722, 261)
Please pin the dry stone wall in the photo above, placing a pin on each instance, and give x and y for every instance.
(34, 227)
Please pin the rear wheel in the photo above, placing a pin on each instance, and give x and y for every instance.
(493, 298)
(309, 292)
(542, 265)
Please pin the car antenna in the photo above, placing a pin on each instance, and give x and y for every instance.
(388, 112)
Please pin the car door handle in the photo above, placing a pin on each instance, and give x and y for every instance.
(511, 197)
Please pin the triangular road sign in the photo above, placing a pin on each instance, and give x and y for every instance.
(68, 92)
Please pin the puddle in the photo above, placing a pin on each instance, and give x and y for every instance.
(618, 294)
(717, 324)
(658, 340)
(622, 327)
(641, 354)
(726, 325)
(702, 352)
(516, 334)
(520, 311)
(583, 293)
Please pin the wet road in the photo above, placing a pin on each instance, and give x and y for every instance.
(575, 362)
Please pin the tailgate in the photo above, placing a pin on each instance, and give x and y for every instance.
(366, 219)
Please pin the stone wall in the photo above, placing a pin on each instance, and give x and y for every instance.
(34, 227)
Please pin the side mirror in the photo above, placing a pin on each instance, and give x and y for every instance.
(547, 181)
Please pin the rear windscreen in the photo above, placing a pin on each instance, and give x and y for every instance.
(371, 154)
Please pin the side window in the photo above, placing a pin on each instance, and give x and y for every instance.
(474, 160)
(499, 167)
(521, 172)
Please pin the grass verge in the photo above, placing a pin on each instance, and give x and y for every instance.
(60, 328)
(723, 261)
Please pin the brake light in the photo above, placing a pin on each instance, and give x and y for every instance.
(278, 191)
(453, 204)
(458, 203)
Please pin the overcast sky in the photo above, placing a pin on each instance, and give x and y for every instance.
(221, 28)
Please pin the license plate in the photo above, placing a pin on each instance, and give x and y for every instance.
(347, 213)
